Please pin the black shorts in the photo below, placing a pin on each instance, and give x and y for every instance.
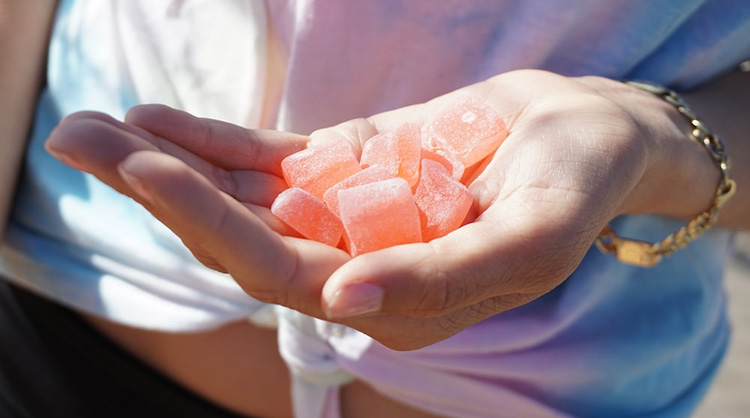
(53, 364)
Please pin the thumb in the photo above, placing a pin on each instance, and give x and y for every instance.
(424, 279)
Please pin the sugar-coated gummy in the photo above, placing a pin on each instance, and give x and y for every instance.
(379, 215)
(317, 168)
(370, 174)
(468, 128)
(397, 149)
(443, 202)
(307, 215)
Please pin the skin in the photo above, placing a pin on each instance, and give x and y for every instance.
(24, 30)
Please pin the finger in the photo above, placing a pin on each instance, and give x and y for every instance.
(97, 143)
(94, 142)
(223, 144)
(195, 245)
(270, 267)
(356, 131)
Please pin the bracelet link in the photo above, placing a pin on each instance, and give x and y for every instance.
(644, 254)
(725, 192)
(637, 252)
(627, 251)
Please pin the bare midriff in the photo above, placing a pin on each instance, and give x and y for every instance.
(238, 368)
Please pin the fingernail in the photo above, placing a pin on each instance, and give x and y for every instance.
(66, 158)
(357, 299)
(135, 183)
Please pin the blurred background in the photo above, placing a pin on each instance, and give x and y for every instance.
(730, 395)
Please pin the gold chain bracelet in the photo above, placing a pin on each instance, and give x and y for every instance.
(644, 254)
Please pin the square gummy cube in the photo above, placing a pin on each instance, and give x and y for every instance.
(468, 128)
(307, 215)
(370, 174)
(398, 150)
(319, 167)
(379, 215)
(443, 202)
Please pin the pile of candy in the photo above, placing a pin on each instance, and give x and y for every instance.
(405, 188)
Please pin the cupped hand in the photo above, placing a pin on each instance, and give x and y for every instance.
(212, 183)
(580, 151)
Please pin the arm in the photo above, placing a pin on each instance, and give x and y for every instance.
(24, 29)
(581, 151)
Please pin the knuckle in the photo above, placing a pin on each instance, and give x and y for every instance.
(225, 180)
(445, 291)
(251, 148)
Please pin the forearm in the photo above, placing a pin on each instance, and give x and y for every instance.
(24, 30)
(723, 104)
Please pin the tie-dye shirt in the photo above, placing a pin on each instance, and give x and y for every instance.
(613, 340)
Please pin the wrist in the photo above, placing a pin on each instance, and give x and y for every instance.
(680, 178)
(647, 254)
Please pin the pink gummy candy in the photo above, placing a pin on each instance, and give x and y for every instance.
(317, 168)
(398, 150)
(308, 216)
(446, 159)
(370, 174)
(468, 128)
(443, 202)
(379, 215)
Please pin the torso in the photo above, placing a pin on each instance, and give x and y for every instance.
(237, 367)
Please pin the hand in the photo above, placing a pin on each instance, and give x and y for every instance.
(580, 151)
(227, 190)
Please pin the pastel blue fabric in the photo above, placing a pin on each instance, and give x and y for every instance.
(613, 340)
